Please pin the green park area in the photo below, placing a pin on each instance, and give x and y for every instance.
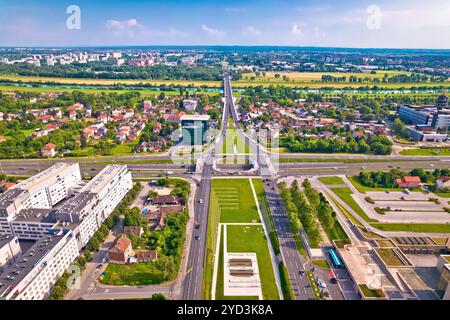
(232, 201)
(331, 180)
(426, 152)
(233, 138)
(363, 189)
(345, 194)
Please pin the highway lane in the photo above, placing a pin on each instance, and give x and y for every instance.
(291, 257)
(193, 282)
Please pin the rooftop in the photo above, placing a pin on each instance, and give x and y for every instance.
(103, 178)
(188, 117)
(77, 203)
(27, 262)
(35, 215)
(46, 176)
(4, 240)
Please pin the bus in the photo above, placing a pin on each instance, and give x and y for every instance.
(336, 261)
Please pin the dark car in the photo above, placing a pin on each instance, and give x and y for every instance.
(197, 237)
(301, 272)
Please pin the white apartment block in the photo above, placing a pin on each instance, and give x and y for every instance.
(60, 232)
(32, 277)
(9, 250)
(41, 191)
(96, 201)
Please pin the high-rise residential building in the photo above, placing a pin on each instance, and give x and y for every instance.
(34, 273)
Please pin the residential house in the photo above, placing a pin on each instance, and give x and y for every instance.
(49, 150)
(121, 250)
(145, 256)
(443, 183)
(408, 182)
(134, 230)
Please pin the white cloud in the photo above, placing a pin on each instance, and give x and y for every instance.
(251, 31)
(121, 25)
(296, 31)
(211, 31)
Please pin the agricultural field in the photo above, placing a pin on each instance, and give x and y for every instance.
(317, 76)
(109, 82)
(310, 80)
(233, 207)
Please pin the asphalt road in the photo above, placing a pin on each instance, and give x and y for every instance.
(193, 282)
(291, 257)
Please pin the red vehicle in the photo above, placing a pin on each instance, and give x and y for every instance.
(332, 277)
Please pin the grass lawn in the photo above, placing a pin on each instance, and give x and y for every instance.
(233, 138)
(426, 152)
(235, 201)
(345, 212)
(390, 257)
(231, 200)
(252, 239)
(363, 189)
(321, 263)
(385, 243)
(133, 275)
(443, 194)
(416, 227)
(371, 293)
(331, 180)
(286, 286)
(345, 195)
(341, 160)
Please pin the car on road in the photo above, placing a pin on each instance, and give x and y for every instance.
(99, 266)
(197, 237)
(22, 169)
(321, 284)
(200, 201)
(301, 272)
(432, 165)
(197, 226)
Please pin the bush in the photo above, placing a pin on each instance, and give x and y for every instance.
(369, 200)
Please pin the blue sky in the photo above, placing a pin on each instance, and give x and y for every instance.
(352, 23)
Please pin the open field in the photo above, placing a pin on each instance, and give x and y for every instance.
(252, 239)
(232, 201)
(42, 89)
(317, 76)
(426, 152)
(305, 79)
(110, 82)
(235, 202)
(331, 180)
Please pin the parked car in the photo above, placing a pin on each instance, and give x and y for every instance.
(321, 284)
